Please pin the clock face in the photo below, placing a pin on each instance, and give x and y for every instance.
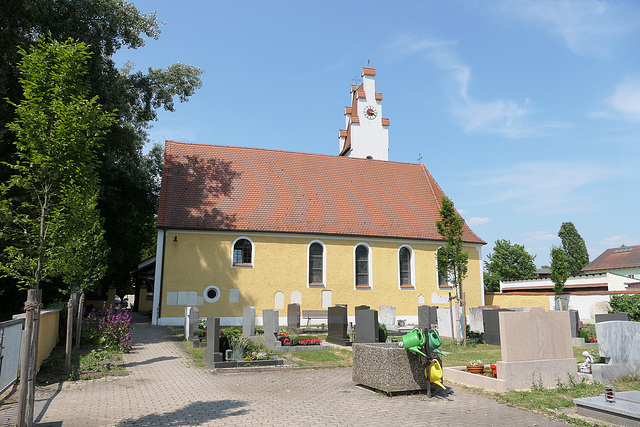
(370, 112)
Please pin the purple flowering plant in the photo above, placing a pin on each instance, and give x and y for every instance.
(108, 327)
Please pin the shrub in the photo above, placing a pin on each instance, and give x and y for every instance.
(629, 303)
(108, 327)
(226, 336)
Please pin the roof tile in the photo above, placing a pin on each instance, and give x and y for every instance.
(623, 257)
(217, 187)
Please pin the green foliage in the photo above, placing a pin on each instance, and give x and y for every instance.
(50, 196)
(129, 182)
(382, 332)
(452, 260)
(227, 335)
(508, 262)
(559, 269)
(574, 247)
(629, 303)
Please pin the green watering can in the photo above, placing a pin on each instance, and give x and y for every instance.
(435, 342)
(414, 341)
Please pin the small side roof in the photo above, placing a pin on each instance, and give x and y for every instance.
(622, 257)
(214, 187)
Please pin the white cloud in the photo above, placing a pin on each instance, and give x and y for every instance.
(586, 26)
(501, 117)
(626, 99)
(477, 221)
(532, 236)
(545, 187)
(615, 241)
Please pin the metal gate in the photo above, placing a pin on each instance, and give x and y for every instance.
(10, 339)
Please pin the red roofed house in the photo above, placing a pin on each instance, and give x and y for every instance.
(624, 261)
(252, 227)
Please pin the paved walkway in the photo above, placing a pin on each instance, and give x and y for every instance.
(164, 388)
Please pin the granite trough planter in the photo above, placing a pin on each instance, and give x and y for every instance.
(387, 367)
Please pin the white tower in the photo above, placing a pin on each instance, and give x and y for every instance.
(367, 133)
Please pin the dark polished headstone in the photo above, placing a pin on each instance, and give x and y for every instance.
(491, 324)
(574, 318)
(612, 316)
(367, 326)
(427, 316)
(293, 317)
(212, 352)
(337, 325)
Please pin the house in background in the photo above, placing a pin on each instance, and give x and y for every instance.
(244, 227)
(616, 271)
(624, 261)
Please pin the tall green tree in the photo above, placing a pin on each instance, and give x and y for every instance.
(508, 262)
(127, 200)
(452, 259)
(559, 269)
(574, 248)
(58, 129)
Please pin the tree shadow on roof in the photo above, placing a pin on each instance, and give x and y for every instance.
(195, 188)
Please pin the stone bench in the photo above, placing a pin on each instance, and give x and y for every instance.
(315, 315)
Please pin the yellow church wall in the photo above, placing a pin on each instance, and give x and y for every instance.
(198, 260)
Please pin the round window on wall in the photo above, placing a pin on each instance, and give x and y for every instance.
(212, 293)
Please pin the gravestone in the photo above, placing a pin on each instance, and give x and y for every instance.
(427, 317)
(248, 321)
(337, 325)
(387, 317)
(192, 328)
(536, 348)
(574, 317)
(293, 317)
(491, 325)
(271, 324)
(361, 307)
(444, 322)
(613, 316)
(618, 343)
(212, 352)
(475, 319)
(366, 326)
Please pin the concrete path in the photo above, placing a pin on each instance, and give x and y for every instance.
(164, 388)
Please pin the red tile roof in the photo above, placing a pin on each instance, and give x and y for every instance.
(355, 119)
(385, 122)
(215, 187)
(368, 71)
(347, 111)
(378, 96)
(623, 257)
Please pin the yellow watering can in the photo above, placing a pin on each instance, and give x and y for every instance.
(435, 373)
(414, 341)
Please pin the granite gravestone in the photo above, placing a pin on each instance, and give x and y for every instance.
(387, 317)
(337, 325)
(366, 326)
(212, 352)
(293, 317)
(613, 316)
(248, 321)
(574, 317)
(491, 325)
(427, 317)
(193, 318)
(618, 343)
(271, 324)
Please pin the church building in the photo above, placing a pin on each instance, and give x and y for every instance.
(242, 226)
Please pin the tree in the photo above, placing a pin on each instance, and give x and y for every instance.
(629, 303)
(452, 260)
(508, 262)
(127, 200)
(58, 131)
(574, 247)
(559, 273)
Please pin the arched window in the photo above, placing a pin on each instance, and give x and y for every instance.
(404, 261)
(242, 252)
(316, 264)
(362, 266)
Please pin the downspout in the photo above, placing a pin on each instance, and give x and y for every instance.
(157, 287)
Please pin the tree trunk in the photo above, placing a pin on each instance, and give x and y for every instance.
(31, 400)
(80, 313)
(29, 358)
(464, 317)
(67, 359)
(453, 329)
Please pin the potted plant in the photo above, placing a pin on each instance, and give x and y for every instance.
(401, 322)
(475, 366)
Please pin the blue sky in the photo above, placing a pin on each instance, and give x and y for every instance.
(527, 113)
